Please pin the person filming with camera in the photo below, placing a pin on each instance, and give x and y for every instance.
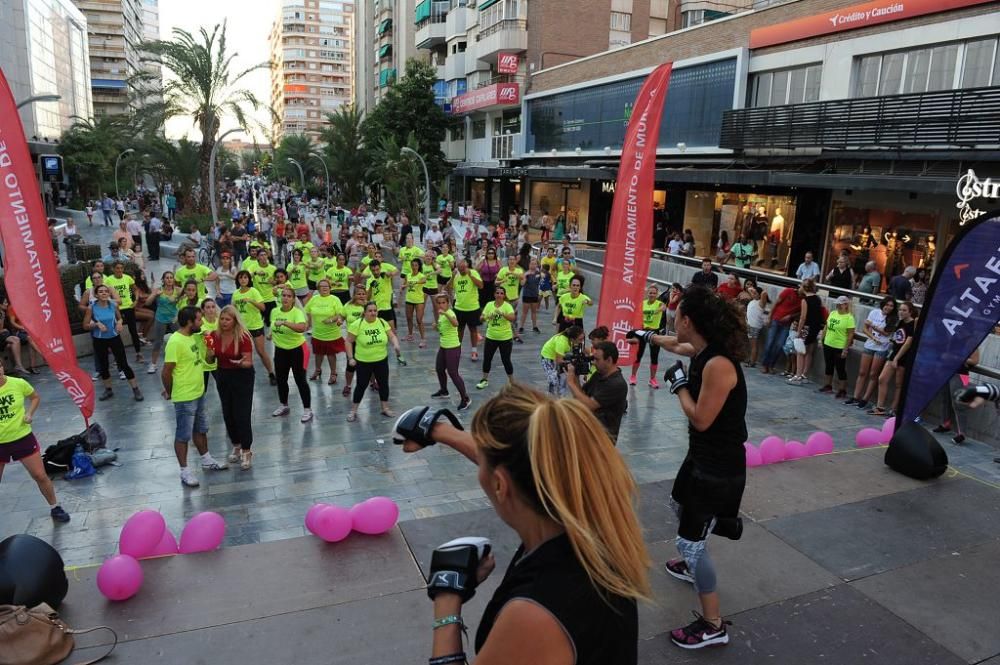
(605, 392)
(570, 593)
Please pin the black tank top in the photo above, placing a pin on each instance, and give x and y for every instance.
(604, 629)
(814, 314)
(719, 449)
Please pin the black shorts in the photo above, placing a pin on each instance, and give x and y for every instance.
(468, 319)
(259, 332)
(430, 292)
(387, 315)
(268, 308)
(343, 296)
(702, 497)
(530, 300)
(18, 449)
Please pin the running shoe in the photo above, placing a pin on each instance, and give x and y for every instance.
(958, 439)
(632, 380)
(825, 389)
(700, 633)
(151, 369)
(852, 402)
(520, 330)
(475, 356)
(212, 464)
(95, 375)
(106, 395)
(307, 415)
(280, 411)
(464, 404)
(796, 380)
(841, 394)
(137, 394)
(653, 383)
(59, 515)
(482, 384)
(121, 374)
(862, 404)
(536, 330)
(188, 478)
(440, 393)
(678, 568)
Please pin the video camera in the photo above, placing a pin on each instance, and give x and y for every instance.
(578, 359)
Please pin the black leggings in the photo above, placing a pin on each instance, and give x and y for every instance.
(364, 373)
(447, 361)
(117, 349)
(235, 388)
(128, 316)
(505, 348)
(835, 360)
(291, 359)
(654, 352)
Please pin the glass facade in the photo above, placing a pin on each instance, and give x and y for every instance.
(595, 118)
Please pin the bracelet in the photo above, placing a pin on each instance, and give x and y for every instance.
(444, 660)
(449, 620)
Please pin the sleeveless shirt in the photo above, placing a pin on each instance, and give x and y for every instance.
(719, 449)
(604, 629)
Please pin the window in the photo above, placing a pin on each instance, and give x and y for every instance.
(458, 133)
(979, 59)
(621, 21)
(492, 12)
(786, 86)
(968, 64)
(692, 17)
(479, 129)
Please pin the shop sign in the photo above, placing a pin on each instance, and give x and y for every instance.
(852, 18)
(498, 94)
(608, 186)
(970, 188)
(571, 185)
(507, 63)
(510, 172)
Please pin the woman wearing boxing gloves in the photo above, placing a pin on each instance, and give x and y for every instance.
(709, 486)
(551, 473)
(976, 396)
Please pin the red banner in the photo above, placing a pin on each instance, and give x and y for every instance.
(31, 276)
(630, 235)
(498, 94)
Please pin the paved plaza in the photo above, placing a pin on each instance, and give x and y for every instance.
(842, 560)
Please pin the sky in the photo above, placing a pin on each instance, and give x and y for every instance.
(248, 26)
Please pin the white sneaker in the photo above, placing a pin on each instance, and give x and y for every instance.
(95, 375)
(151, 369)
(307, 415)
(121, 375)
(188, 478)
(213, 464)
(280, 411)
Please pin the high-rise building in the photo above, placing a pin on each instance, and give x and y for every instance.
(152, 92)
(386, 39)
(44, 52)
(312, 63)
(115, 32)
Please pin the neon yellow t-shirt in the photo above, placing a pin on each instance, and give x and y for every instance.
(248, 264)
(321, 308)
(414, 289)
(573, 308)
(243, 301)
(466, 292)
(498, 328)
(407, 254)
(198, 273)
(123, 285)
(263, 280)
(283, 336)
(837, 326)
(557, 344)
(340, 278)
(12, 394)
(431, 276)
(510, 280)
(315, 270)
(296, 275)
(305, 246)
(207, 327)
(652, 315)
(353, 312)
(446, 262)
(188, 356)
(371, 340)
(380, 289)
(448, 330)
(563, 278)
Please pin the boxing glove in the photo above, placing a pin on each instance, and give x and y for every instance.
(417, 423)
(646, 335)
(454, 566)
(988, 392)
(676, 377)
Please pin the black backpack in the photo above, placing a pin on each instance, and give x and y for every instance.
(58, 458)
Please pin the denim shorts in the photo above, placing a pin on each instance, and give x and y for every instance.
(878, 354)
(190, 418)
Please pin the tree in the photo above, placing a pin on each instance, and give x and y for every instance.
(297, 147)
(399, 175)
(345, 153)
(408, 109)
(89, 149)
(176, 163)
(203, 86)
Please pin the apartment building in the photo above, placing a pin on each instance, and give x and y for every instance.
(312, 64)
(151, 32)
(115, 32)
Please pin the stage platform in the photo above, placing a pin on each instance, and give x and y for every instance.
(842, 562)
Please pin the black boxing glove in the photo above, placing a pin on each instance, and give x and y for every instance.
(988, 392)
(417, 423)
(454, 566)
(676, 377)
(646, 335)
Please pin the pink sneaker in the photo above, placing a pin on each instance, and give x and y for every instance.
(653, 384)
(631, 380)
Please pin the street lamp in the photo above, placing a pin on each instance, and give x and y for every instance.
(318, 156)
(38, 98)
(302, 175)
(211, 174)
(427, 182)
(127, 151)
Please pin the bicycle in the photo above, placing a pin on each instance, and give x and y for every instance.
(207, 254)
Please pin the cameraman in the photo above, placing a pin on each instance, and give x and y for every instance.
(605, 393)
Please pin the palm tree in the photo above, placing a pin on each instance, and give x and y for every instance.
(297, 147)
(345, 152)
(399, 174)
(89, 148)
(203, 86)
(175, 162)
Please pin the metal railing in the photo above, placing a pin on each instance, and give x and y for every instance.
(518, 24)
(958, 118)
(503, 146)
(758, 276)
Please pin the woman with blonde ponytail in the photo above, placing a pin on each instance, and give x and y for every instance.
(553, 475)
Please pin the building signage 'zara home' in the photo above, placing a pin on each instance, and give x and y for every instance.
(851, 18)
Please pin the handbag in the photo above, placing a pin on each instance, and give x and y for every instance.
(37, 636)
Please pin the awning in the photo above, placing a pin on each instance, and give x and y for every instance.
(386, 76)
(384, 26)
(423, 12)
(384, 50)
(487, 3)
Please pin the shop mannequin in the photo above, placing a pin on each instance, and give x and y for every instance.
(759, 231)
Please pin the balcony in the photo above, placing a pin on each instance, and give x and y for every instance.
(430, 20)
(458, 22)
(454, 67)
(509, 35)
(504, 147)
(956, 119)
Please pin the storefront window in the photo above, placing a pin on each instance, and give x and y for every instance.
(568, 200)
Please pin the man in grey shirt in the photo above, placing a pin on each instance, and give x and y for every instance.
(872, 280)
(153, 238)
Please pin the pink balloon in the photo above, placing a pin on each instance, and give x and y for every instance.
(374, 516)
(166, 547)
(888, 429)
(119, 577)
(311, 516)
(752, 454)
(141, 533)
(333, 523)
(203, 533)
(772, 450)
(869, 437)
(819, 443)
(795, 450)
